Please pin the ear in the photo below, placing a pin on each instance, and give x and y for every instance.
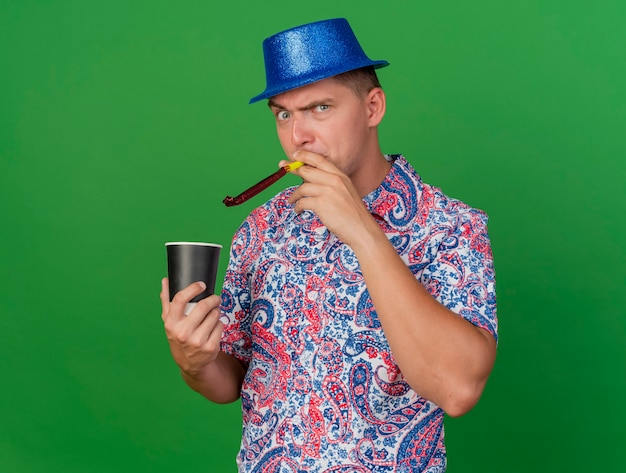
(376, 104)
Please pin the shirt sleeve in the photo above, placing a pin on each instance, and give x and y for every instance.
(236, 295)
(461, 275)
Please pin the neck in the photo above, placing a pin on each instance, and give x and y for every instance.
(371, 173)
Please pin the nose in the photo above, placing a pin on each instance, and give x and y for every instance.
(301, 133)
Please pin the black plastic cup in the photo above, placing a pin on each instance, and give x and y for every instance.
(189, 262)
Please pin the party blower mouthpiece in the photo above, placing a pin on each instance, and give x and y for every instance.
(261, 185)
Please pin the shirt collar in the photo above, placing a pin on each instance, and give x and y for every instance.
(397, 190)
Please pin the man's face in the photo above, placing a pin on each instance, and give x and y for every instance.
(326, 118)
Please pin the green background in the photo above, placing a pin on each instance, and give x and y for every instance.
(123, 124)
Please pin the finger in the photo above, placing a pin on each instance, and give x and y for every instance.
(306, 190)
(203, 309)
(314, 160)
(307, 203)
(182, 297)
(165, 297)
(299, 193)
(215, 337)
(325, 174)
(208, 325)
(284, 162)
(201, 339)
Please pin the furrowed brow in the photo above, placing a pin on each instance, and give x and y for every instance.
(308, 106)
(272, 104)
(316, 103)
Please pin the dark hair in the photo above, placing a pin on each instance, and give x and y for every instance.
(361, 81)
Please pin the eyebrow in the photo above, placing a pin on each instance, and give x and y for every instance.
(309, 106)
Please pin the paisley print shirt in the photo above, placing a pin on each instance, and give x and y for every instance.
(322, 392)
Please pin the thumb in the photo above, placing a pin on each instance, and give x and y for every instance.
(165, 297)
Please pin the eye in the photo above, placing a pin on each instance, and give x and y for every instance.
(321, 108)
(282, 115)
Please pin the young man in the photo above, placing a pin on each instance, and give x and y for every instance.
(358, 307)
